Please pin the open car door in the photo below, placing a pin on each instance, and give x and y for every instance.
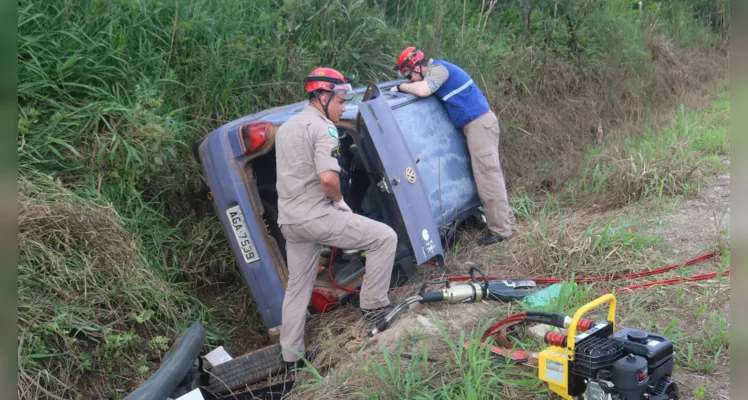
(388, 157)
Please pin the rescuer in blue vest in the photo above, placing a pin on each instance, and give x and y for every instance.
(470, 113)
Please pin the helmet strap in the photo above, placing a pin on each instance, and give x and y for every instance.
(324, 105)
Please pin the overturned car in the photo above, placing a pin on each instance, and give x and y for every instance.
(402, 163)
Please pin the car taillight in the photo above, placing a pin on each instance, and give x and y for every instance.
(253, 135)
(322, 300)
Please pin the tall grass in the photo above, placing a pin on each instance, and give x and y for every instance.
(112, 94)
(673, 161)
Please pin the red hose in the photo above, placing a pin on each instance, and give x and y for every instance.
(600, 278)
(494, 329)
(692, 278)
(582, 279)
(337, 285)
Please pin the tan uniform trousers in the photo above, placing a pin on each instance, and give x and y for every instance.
(483, 143)
(304, 242)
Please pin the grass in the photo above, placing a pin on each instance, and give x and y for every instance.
(119, 248)
(422, 372)
(87, 303)
(674, 161)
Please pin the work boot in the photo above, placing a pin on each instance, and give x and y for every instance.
(490, 239)
(373, 315)
(293, 366)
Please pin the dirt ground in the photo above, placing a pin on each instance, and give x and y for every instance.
(689, 228)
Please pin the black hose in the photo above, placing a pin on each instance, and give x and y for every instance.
(384, 323)
(474, 268)
(177, 362)
(549, 318)
(431, 283)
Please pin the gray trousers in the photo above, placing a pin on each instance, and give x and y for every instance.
(304, 242)
(483, 143)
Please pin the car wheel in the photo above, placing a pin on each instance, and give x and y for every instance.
(196, 149)
(246, 370)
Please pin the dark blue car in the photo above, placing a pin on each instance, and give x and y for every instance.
(402, 162)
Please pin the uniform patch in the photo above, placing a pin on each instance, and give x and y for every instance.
(333, 132)
(335, 152)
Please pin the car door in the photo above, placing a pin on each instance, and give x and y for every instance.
(388, 156)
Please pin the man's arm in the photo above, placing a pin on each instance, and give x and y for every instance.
(330, 182)
(420, 89)
(326, 162)
(437, 75)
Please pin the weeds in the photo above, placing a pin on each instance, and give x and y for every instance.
(601, 249)
(87, 304)
(674, 161)
(113, 236)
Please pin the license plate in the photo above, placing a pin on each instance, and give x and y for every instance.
(239, 225)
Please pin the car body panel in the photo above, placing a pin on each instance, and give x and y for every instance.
(401, 174)
(444, 162)
(224, 175)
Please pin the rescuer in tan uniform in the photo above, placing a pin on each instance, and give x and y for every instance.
(470, 113)
(313, 214)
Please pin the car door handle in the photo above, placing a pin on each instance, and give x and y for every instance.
(383, 186)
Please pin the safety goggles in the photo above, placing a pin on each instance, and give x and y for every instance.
(345, 90)
(401, 74)
(336, 85)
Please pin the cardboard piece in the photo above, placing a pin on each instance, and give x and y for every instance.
(218, 356)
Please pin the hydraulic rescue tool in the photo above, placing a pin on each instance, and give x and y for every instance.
(599, 363)
(505, 290)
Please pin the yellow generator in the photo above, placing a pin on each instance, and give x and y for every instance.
(601, 364)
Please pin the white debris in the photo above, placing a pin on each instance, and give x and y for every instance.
(425, 322)
(218, 356)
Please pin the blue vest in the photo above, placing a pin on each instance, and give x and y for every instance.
(462, 98)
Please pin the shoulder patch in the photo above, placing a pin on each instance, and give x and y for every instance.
(333, 132)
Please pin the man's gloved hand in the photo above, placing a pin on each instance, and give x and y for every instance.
(340, 205)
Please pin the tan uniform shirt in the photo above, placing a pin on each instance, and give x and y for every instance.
(305, 146)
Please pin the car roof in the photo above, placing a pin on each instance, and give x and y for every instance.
(280, 114)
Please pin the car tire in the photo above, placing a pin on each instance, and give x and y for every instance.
(246, 370)
(196, 149)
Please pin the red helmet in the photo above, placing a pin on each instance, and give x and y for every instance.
(408, 59)
(329, 80)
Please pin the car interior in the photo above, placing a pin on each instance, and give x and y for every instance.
(359, 192)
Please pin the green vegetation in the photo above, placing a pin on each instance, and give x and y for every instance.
(118, 249)
(673, 161)
(413, 371)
